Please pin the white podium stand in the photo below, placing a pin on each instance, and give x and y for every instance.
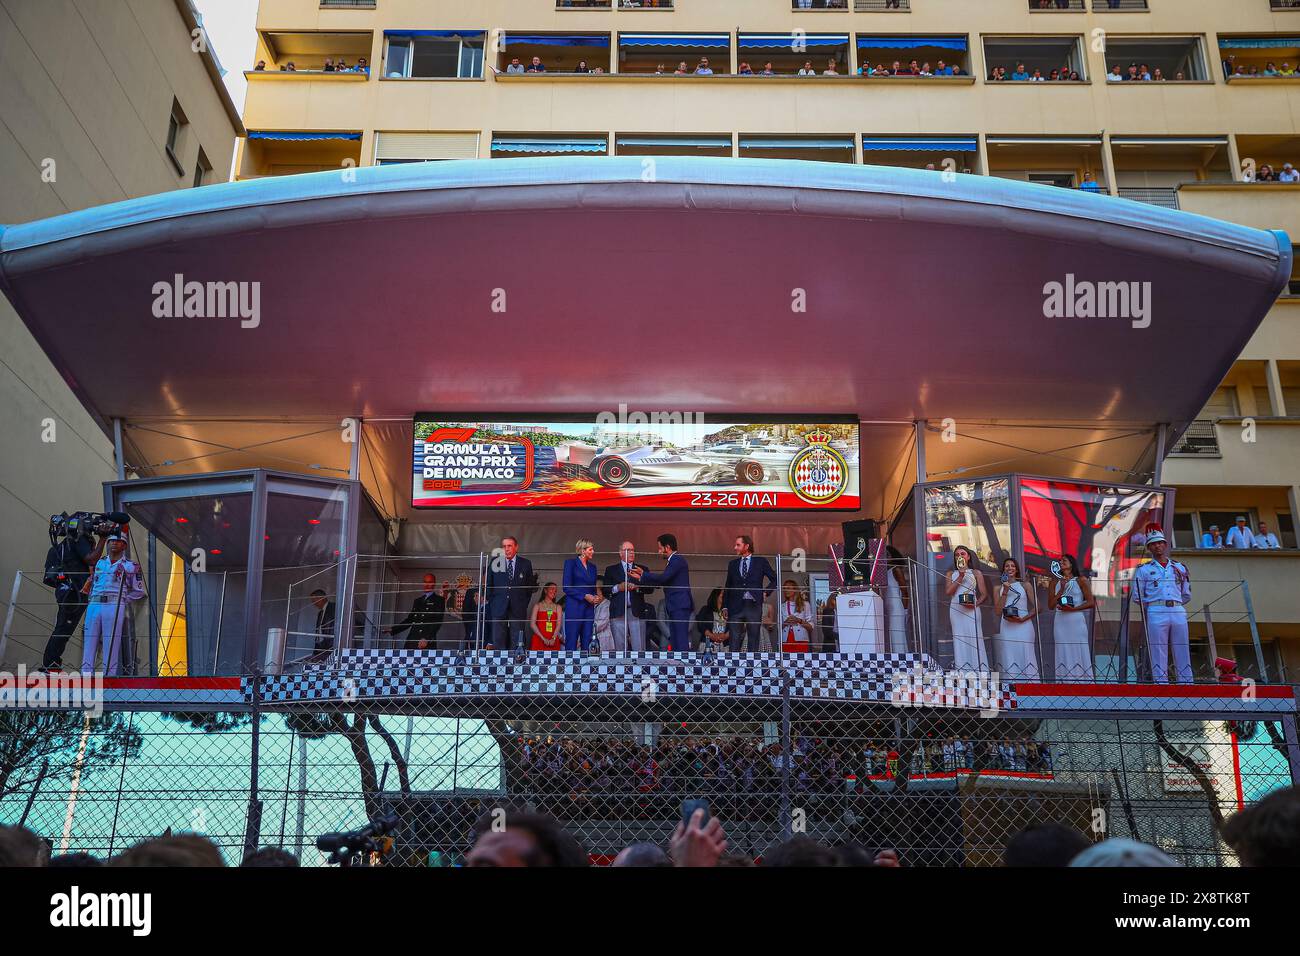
(860, 622)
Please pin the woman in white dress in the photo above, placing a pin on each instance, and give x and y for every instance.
(966, 592)
(1015, 643)
(1072, 624)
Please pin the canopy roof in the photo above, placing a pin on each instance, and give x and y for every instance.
(667, 285)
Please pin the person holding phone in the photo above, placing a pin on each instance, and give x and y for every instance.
(966, 591)
(1071, 598)
(1014, 604)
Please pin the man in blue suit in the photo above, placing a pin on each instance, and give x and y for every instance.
(627, 604)
(675, 579)
(746, 593)
(510, 586)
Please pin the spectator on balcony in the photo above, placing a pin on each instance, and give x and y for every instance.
(1229, 65)
(1158, 76)
(1240, 536)
(703, 68)
(515, 66)
(1075, 77)
(582, 67)
(900, 70)
(957, 70)
(767, 70)
(1116, 74)
(830, 68)
(1037, 77)
(942, 69)
(362, 66)
(1020, 74)
(261, 66)
(329, 66)
(1270, 69)
(925, 69)
(1265, 540)
(536, 66)
(290, 68)
(746, 69)
(1212, 538)
(342, 66)
(1288, 174)
(682, 69)
(807, 69)
(1265, 174)
(1089, 184)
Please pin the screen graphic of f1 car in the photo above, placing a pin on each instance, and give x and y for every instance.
(657, 465)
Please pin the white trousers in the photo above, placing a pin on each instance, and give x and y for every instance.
(629, 635)
(1167, 626)
(104, 625)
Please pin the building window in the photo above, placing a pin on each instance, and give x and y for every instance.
(449, 57)
(201, 169)
(1028, 58)
(1286, 530)
(176, 124)
(1177, 59)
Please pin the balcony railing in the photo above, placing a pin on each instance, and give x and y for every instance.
(1168, 198)
(346, 4)
(1056, 5)
(1284, 4)
(1101, 6)
(1200, 440)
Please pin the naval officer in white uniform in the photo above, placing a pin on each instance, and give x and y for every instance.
(1164, 588)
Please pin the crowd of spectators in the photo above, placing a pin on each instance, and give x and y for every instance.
(1233, 70)
(577, 766)
(1022, 74)
(1240, 537)
(1266, 834)
(331, 66)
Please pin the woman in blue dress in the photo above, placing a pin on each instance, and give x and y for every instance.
(579, 584)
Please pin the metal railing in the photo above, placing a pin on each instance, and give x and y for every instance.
(1154, 196)
(1201, 439)
(909, 609)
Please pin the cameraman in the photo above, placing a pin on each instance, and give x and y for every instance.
(67, 568)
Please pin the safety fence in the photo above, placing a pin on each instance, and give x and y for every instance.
(611, 748)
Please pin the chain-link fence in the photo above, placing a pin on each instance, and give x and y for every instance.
(612, 748)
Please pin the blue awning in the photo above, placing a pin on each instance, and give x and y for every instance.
(909, 43)
(712, 142)
(952, 144)
(791, 41)
(663, 41)
(301, 137)
(1258, 43)
(571, 39)
(512, 145)
(750, 143)
(462, 34)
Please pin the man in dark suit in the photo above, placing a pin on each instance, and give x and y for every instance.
(627, 605)
(675, 579)
(746, 593)
(425, 617)
(324, 621)
(510, 585)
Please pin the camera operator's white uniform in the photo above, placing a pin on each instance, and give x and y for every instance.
(116, 585)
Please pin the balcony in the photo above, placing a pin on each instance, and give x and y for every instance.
(661, 5)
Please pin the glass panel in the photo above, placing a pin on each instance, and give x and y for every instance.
(1103, 528)
(399, 55)
(200, 584)
(976, 515)
(305, 539)
(471, 60)
(435, 58)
